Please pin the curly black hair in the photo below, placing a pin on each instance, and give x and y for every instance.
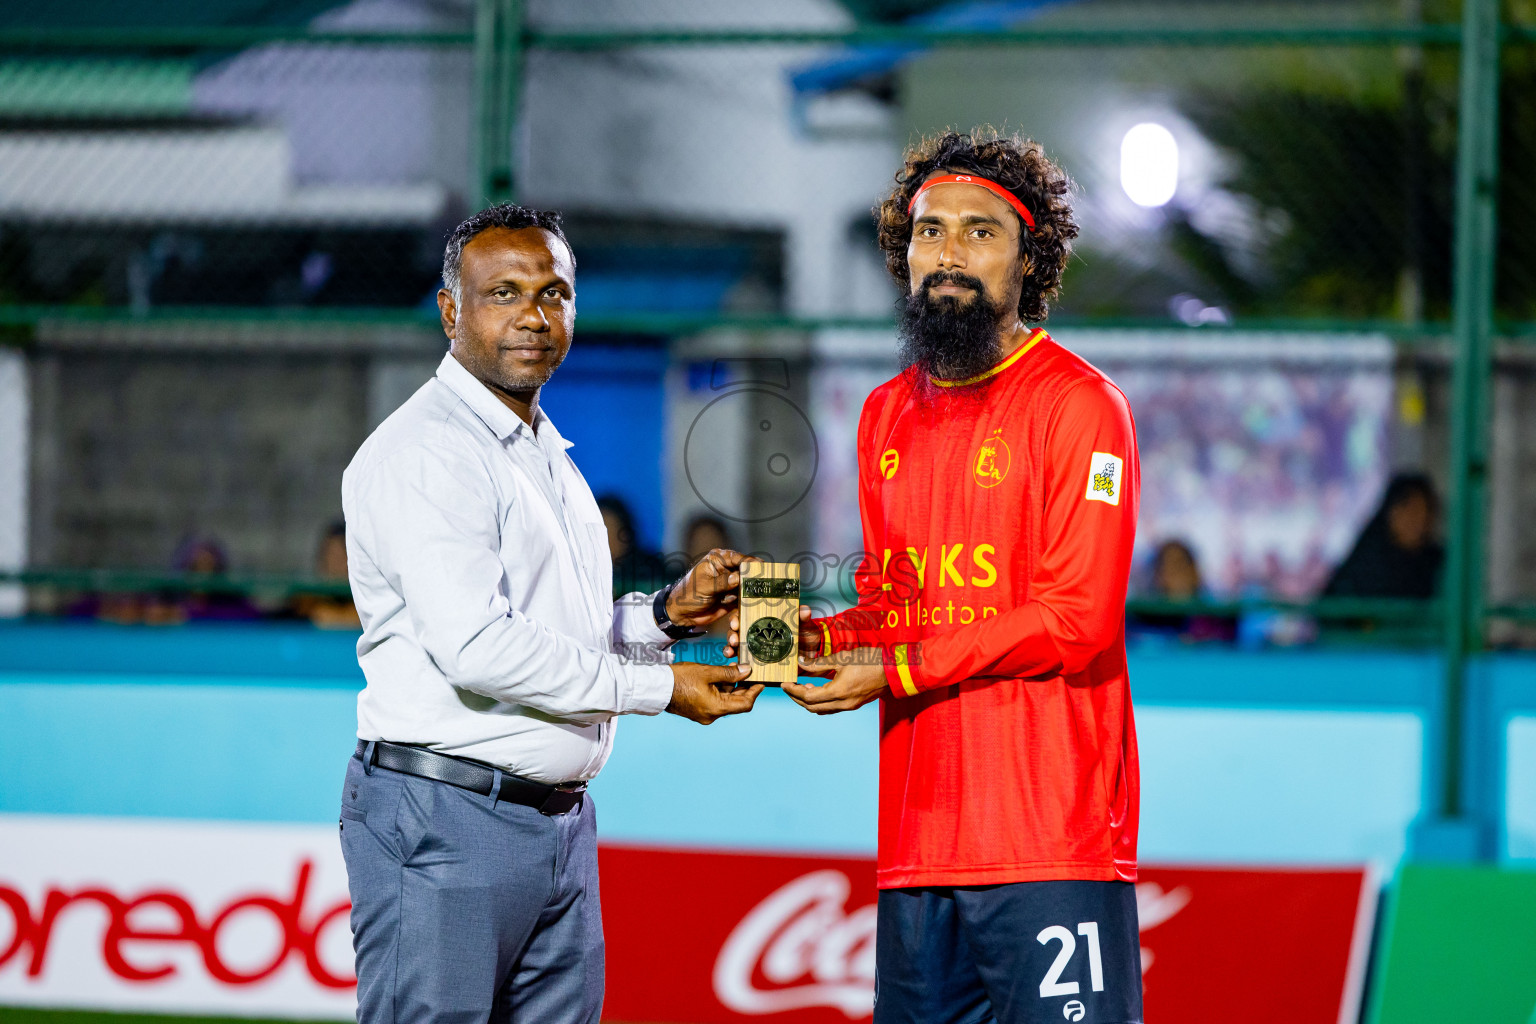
(1016, 163)
(502, 215)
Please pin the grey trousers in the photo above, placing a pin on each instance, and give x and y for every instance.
(468, 911)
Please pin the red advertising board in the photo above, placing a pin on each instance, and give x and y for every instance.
(707, 937)
(1260, 946)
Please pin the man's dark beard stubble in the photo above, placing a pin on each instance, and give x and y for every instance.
(480, 358)
(948, 336)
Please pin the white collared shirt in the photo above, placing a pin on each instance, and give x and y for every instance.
(480, 567)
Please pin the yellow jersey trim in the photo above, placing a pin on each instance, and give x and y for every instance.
(826, 638)
(903, 673)
(1015, 356)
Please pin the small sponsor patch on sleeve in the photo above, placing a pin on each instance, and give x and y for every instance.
(1104, 478)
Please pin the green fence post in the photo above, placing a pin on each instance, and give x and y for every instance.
(498, 77)
(1457, 831)
(505, 182)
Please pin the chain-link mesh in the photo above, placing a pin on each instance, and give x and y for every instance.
(1516, 295)
(1306, 181)
(220, 263)
(284, 176)
(687, 16)
(1309, 181)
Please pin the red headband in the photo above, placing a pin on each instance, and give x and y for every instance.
(973, 179)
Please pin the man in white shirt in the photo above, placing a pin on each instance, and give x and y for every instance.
(496, 662)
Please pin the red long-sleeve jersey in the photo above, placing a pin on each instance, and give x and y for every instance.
(999, 515)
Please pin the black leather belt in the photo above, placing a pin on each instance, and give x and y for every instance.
(472, 775)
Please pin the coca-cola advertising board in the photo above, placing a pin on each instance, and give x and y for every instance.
(251, 920)
(710, 938)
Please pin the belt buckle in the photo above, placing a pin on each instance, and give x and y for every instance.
(562, 797)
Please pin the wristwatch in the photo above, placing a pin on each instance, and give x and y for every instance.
(666, 625)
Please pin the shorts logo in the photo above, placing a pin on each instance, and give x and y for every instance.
(1104, 478)
(1074, 1010)
(992, 459)
(889, 461)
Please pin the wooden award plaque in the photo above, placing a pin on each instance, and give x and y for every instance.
(770, 621)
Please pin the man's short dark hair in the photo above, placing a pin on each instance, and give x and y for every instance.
(1019, 165)
(502, 215)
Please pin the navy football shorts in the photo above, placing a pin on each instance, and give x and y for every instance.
(1022, 953)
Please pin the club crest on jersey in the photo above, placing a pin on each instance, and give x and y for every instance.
(1104, 478)
(991, 463)
(889, 461)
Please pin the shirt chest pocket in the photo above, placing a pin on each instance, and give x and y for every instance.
(574, 572)
(589, 535)
(594, 539)
(532, 549)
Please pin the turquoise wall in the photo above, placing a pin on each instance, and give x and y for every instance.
(1251, 757)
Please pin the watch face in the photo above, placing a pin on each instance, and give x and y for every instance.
(769, 640)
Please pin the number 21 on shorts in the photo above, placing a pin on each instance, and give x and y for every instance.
(1051, 984)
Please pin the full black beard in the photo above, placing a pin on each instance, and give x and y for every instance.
(948, 339)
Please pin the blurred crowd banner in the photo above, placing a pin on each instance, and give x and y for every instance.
(1264, 457)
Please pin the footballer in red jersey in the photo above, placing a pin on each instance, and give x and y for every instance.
(998, 483)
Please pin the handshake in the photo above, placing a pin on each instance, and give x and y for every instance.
(710, 591)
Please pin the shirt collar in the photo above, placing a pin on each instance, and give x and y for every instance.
(504, 423)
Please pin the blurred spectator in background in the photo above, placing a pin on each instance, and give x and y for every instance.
(202, 555)
(330, 611)
(1397, 554)
(214, 600)
(1176, 578)
(633, 568)
(331, 560)
(703, 534)
(122, 608)
(1175, 573)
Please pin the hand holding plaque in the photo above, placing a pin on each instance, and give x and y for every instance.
(770, 621)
